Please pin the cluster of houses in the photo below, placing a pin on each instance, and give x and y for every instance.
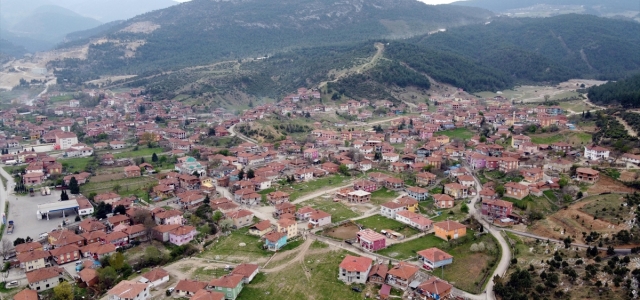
(403, 275)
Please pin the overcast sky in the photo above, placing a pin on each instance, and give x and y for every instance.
(425, 1)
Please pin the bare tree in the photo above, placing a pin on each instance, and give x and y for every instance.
(7, 247)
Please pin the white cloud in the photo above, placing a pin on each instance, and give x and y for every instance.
(437, 1)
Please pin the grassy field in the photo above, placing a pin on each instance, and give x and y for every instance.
(378, 222)
(228, 247)
(127, 185)
(574, 138)
(75, 164)
(606, 207)
(142, 151)
(383, 195)
(453, 213)
(575, 105)
(337, 210)
(458, 133)
(303, 188)
(314, 278)
(61, 98)
(467, 267)
(533, 203)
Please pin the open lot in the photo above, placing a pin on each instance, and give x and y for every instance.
(529, 93)
(300, 189)
(142, 151)
(130, 185)
(572, 137)
(228, 248)
(378, 222)
(577, 106)
(467, 269)
(383, 195)
(22, 211)
(607, 184)
(75, 164)
(315, 277)
(458, 133)
(345, 231)
(578, 218)
(337, 210)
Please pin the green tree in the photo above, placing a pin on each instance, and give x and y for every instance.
(500, 190)
(64, 196)
(251, 174)
(74, 188)
(116, 261)
(120, 210)
(63, 291)
(116, 188)
(344, 169)
(154, 157)
(107, 277)
(464, 208)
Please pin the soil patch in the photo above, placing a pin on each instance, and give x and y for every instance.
(343, 232)
(607, 184)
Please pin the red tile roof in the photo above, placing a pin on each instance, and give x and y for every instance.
(356, 264)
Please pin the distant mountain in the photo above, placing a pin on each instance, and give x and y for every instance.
(10, 50)
(203, 31)
(112, 10)
(595, 7)
(546, 49)
(85, 34)
(42, 27)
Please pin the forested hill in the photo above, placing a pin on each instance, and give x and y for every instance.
(624, 92)
(547, 49)
(203, 31)
(596, 7)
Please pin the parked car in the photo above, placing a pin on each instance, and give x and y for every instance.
(356, 289)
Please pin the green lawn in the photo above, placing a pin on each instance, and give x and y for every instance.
(319, 281)
(75, 164)
(458, 133)
(228, 247)
(303, 188)
(467, 268)
(532, 202)
(383, 195)
(337, 210)
(206, 273)
(551, 195)
(142, 151)
(292, 245)
(378, 222)
(575, 105)
(453, 213)
(61, 98)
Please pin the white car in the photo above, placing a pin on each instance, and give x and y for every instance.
(44, 235)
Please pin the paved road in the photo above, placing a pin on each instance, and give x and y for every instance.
(232, 132)
(503, 265)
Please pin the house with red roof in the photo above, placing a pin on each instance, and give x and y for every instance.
(354, 269)
(434, 258)
(371, 240)
(182, 235)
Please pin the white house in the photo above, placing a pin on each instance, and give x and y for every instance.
(44, 279)
(390, 157)
(155, 277)
(390, 209)
(64, 140)
(631, 158)
(354, 269)
(319, 218)
(129, 290)
(596, 152)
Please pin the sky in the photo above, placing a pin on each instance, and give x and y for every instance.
(425, 1)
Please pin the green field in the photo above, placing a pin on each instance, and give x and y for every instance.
(467, 267)
(142, 151)
(75, 164)
(378, 222)
(61, 98)
(383, 195)
(303, 188)
(574, 138)
(458, 133)
(126, 185)
(338, 211)
(575, 105)
(316, 277)
(228, 247)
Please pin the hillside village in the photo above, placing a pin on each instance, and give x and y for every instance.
(126, 198)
